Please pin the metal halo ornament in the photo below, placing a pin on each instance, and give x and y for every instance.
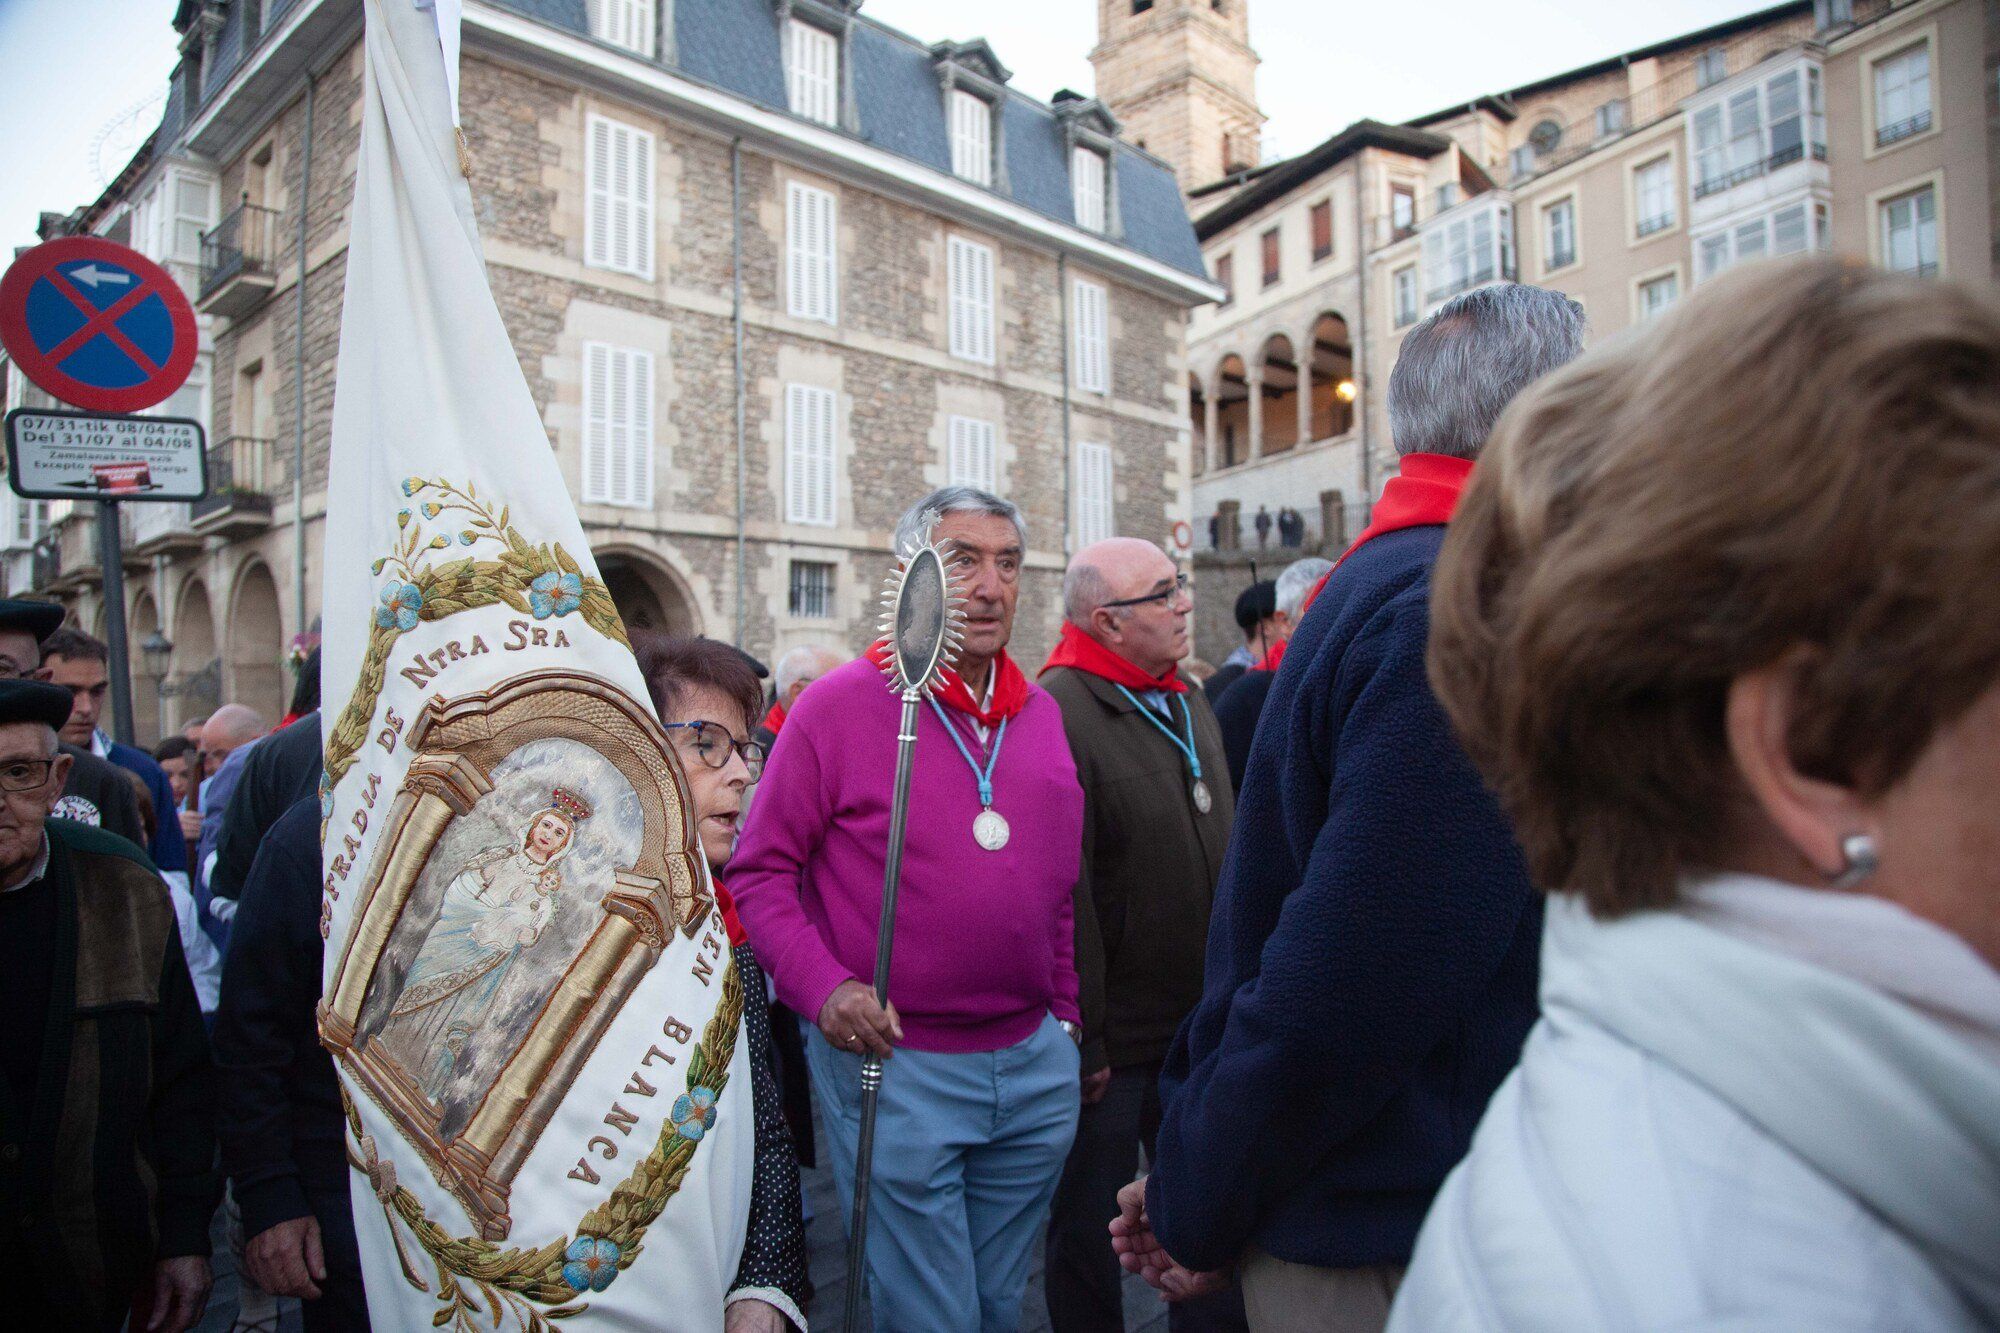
(923, 623)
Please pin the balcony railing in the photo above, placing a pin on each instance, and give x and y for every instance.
(1784, 157)
(238, 259)
(242, 470)
(158, 528)
(1654, 225)
(1903, 129)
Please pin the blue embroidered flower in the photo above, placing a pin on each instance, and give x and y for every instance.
(432, 509)
(554, 594)
(694, 1113)
(411, 485)
(401, 603)
(592, 1262)
(466, 538)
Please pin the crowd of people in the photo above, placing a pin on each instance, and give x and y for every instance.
(1573, 908)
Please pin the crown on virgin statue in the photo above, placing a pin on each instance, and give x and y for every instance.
(572, 805)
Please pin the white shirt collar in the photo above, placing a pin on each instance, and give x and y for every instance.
(38, 869)
(100, 744)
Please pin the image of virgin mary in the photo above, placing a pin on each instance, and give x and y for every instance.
(493, 910)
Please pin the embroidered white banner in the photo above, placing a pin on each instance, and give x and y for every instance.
(528, 989)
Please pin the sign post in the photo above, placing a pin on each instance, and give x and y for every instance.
(100, 326)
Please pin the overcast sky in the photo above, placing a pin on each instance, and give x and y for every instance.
(77, 76)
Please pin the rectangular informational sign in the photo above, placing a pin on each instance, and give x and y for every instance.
(90, 456)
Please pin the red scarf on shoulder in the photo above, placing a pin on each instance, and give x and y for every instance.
(1010, 688)
(730, 921)
(1423, 494)
(1276, 655)
(774, 720)
(1079, 650)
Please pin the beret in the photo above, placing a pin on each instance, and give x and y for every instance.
(1256, 603)
(33, 701)
(40, 619)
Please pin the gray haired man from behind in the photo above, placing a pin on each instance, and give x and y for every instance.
(1371, 962)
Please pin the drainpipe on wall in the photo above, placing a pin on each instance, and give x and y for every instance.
(1069, 464)
(299, 375)
(1360, 340)
(736, 297)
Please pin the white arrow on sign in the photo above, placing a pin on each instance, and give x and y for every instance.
(91, 275)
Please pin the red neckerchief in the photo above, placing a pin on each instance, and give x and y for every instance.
(775, 719)
(1423, 494)
(284, 722)
(1275, 656)
(1010, 688)
(730, 921)
(1079, 650)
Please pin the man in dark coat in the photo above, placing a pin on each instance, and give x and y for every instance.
(82, 665)
(1157, 811)
(1255, 606)
(107, 1136)
(280, 771)
(1238, 707)
(279, 1117)
(1371, 966)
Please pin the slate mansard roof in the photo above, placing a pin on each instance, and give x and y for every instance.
(734, 47)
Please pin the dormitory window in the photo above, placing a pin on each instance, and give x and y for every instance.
(617, 426)
(1653, 195)
(619, 232)
(972, 454)
(626, 23)
(1559, 234)
(1093, 338)
(1087, 172)
(970, 276)
(809, 450)
(814, 77)
(811, 590)
(971, 137)
(1903, 95)
(1909, 233)
(811, 270)
(1711, 66)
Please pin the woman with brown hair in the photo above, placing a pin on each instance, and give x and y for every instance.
(708, 696)
(1719, 619)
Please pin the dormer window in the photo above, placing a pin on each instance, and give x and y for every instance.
(1088, 169)
(632, 24)
(813, 73)
(971, 137)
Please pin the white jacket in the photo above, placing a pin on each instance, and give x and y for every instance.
(1777, 1109)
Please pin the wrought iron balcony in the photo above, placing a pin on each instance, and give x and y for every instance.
(238, 260)
(1784, 157)
(241, 473)
(1903, 129)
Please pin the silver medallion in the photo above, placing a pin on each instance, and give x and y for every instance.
(1202, 800)
(990, 830)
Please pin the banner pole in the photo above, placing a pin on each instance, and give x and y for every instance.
(111, 560)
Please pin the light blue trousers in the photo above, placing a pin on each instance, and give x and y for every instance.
(968, 1151)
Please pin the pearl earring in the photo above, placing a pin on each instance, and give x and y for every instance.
(1859, 859)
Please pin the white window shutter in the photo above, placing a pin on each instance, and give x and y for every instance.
(596, 423)
(1091, 337)
(809, 455)
(1095, 508)
(597, 242)
(815, 73)
(642, 203)
(811, 265)
(618, 229)
(972, 454)
(970, 280)
(1087, 187)
(971, 137)
(640, 484)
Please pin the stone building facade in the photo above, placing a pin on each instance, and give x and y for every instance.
(1857, 127)
(771, 270)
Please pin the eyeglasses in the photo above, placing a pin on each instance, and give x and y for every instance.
(24, 774)
(1165, 594)
(713, 743)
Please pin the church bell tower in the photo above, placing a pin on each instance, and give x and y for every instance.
(1182, 80)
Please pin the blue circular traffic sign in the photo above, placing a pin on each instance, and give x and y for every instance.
(97, 324)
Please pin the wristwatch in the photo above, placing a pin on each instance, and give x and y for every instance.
(1075, 1030)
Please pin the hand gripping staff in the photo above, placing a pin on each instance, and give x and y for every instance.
(923, 622)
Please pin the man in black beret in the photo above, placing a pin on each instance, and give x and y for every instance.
(107, 1138)
(1256, 611)
(98, 792)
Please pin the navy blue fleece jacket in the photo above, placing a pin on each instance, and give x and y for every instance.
(1372, 956)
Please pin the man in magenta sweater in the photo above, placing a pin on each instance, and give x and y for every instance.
(979, 1100)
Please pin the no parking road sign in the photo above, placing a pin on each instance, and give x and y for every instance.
(97, 324)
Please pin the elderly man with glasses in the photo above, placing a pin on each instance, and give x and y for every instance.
(979, 1102)
(1157, 811)
(107, 1140)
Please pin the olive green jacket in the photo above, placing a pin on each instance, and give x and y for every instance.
(1150, 863)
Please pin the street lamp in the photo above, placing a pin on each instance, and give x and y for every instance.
(156, 651)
